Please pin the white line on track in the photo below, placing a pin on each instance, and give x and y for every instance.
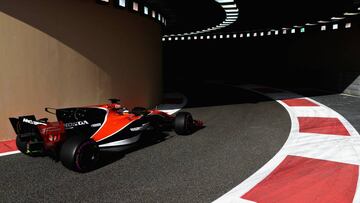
(9, 153)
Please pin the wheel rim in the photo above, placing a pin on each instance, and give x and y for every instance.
(87, 156)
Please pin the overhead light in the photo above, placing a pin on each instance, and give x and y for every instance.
(229, 6)
(232, 17)
(285, 28)
(135, 6)
(122, 3)
(224, 1)
(146, 10)
(297, 26)
(310, 24)
(337, 18)
(350, 14)
(323, 21)
(231, 10)
(232, 14)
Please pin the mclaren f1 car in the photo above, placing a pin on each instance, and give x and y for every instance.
(79, 134)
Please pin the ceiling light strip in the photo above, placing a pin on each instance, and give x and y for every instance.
(231, 11)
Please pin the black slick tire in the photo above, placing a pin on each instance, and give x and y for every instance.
(21, 145)
(79, 154)
(183, 124)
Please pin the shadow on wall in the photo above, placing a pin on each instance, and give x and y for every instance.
(320, 60)
(75, 52)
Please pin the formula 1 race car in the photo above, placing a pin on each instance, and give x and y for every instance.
(79, 134)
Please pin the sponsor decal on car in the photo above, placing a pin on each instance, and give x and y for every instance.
(76, 124)
(95, 125)
(25, 120)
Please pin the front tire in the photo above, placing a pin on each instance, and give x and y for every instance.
(79, 154)
(183, 123)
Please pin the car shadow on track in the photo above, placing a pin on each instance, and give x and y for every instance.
(111, 155)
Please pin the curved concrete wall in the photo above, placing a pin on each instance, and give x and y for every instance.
(72, 53)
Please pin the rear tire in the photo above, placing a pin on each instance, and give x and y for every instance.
(21, 145)
(183, 123)
(79, 154)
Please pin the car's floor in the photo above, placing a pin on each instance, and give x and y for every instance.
(243, 131)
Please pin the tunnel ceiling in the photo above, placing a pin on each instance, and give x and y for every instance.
(186, 16)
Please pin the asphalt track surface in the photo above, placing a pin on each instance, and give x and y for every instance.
(243, 131)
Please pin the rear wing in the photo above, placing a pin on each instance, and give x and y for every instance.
(26, 125)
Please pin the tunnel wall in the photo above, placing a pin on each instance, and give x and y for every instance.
(72, 53)
(324, 60)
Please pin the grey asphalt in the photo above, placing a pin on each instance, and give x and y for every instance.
(243, 131)
(347, 106)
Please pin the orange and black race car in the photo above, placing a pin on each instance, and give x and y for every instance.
(79, 134)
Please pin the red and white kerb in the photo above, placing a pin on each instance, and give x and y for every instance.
(318, 163)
